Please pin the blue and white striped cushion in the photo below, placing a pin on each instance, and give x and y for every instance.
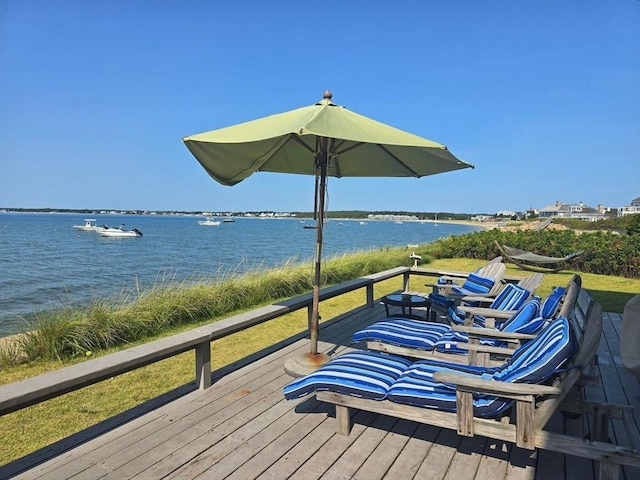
(521, 321)
(525, 320)
(551, 304)
(533, 363)
(510, 298)
(475, 284)
(537, 360)
(418, 388)
(359, 374)
(403, 332)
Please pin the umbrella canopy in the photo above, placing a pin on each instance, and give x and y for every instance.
(324, 140)
(288, 143)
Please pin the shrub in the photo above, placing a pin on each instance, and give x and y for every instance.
(608, 253)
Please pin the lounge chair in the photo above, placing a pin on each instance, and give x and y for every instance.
(445, 396)
(510, 299)
(457, 278)
(485, 280)
(539, 263)
(442, 303)
(421, 339)
(394, 385)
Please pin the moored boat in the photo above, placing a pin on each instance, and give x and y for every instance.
(89, 225)
(119, 232)
(211, 222)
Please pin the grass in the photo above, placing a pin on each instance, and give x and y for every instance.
(30, 429)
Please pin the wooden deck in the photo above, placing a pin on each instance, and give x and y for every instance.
(243, 428)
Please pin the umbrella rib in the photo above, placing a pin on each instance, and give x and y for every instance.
(355, 145)
(297, 139)
(415, 174)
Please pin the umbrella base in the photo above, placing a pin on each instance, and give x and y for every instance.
(304, 364)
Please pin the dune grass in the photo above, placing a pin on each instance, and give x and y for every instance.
(65, 334)
(30, 429)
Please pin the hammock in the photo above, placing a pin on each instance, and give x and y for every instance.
(538, 263)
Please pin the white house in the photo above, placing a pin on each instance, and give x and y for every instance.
(630, 209)
(578, 210)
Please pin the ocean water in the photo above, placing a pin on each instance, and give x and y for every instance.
(45, 263)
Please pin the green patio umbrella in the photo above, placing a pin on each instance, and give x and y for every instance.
(324, 140)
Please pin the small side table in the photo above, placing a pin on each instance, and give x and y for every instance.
(407, 301)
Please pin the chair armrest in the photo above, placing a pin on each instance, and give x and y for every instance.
(491, 333)
(478, 298)
(479, 348)
(491, 386)
(487, 312)
(450, 279)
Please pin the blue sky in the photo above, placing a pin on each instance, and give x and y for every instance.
(543, 97)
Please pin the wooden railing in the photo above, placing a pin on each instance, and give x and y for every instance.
(34, 390)
(18, 395)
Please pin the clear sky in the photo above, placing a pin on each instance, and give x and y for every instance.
(543, 97)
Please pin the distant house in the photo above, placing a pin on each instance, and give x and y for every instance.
(506, 213)
(579, 211)
(633, 207)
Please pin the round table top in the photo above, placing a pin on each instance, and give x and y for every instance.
(406, 300)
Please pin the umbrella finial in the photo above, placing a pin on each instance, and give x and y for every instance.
(327, 95)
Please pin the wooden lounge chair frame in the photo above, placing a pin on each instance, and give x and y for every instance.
(538, 263)
(534, 404)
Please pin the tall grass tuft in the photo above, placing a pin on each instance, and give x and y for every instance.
(104, 324)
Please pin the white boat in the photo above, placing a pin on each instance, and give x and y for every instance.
(229, 220)
(209, 222)
(89, 225)
(119, 232)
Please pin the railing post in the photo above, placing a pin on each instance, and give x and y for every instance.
(309, 314)
(370, 295)
(203, 365)
(406, 276)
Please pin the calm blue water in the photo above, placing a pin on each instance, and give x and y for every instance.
(45, 263)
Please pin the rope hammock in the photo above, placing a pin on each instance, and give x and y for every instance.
(538, 263)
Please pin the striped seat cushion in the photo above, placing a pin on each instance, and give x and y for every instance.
(542, 357)
(475, 284)
(403, 332)
(525, 320)
(533, 362)
(417, 387)
(510, 298)
(551, 304)
(359, 374)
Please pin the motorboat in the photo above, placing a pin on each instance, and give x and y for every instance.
(89, 225)
(229, 220)
(119, 232)
(209, 222)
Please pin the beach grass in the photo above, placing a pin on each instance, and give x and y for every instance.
(65, 334)
(35, 427)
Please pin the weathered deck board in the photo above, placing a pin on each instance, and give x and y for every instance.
(242, 428)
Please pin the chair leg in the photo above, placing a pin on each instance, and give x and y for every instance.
(344, 422)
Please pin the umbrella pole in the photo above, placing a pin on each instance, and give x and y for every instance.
(321, 188)
(307, 363)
